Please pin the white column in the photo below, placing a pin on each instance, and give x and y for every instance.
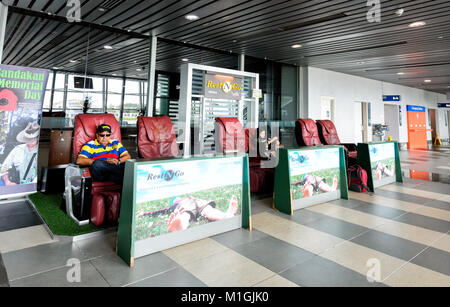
(3, 17)
(151, 76)
(241, 62)
(303, 95)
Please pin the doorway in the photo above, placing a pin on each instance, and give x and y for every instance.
(327, 108)
(392, 121)
(361, 122)
(433, 124)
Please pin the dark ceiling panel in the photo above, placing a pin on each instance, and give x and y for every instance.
(334, 35)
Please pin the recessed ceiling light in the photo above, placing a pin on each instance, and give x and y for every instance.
(400, 73)
(138, 69)
(108, 47)
(56, 68)
(417, 24)
(441, 37)
(296, 46)
(427, 81)
(101, 9)
(73, 61)
(191, 17)
(399, 12)
(185, 60)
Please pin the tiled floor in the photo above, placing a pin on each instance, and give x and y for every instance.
(400, 236)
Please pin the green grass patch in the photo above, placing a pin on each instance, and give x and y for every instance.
(59, 222)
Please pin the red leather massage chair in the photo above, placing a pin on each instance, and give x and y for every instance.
(329, 136)
(306, 132)
(105, 195)
(233, 138)
(156, 137)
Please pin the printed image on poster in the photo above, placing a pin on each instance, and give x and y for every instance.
(172, 197)
(314, 172)
(382, 157)
(21, 98)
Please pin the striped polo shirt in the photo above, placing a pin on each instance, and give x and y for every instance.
(95, 150)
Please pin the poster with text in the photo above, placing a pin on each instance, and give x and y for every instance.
(175, 196)
(22, 92)
(314, 172)
(382, 159)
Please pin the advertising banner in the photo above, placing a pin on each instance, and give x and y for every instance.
(314, 172)
(223, 87)
(382, 159)
(22, 92)
(171, 197)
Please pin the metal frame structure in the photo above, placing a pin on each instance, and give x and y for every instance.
(189, 79)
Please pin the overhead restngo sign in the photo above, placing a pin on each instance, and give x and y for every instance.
(223, 86)
(22, 92)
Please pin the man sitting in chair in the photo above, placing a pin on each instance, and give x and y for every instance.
(105, 157)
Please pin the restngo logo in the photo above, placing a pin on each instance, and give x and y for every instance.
(226, 87)
(168, 175)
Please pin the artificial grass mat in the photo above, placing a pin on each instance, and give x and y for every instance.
(48, 206)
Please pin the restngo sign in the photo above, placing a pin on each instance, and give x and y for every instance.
(223, 86)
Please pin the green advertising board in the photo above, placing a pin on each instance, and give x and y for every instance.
(381, 160)
(166, 203)
(308, 176)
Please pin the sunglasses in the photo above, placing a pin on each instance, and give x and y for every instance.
(104, 135)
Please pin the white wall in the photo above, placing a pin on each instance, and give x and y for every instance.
(347, 89)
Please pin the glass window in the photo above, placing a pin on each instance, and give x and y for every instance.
(59, 83)
(130, 117)
(58, 101)
(132, 102)
(132, 87)
(115, 86)
(114, 102)
(50, 81)
(47, 100)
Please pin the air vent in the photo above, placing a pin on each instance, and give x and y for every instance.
(54, 43)
(110, 4)
(312, 22)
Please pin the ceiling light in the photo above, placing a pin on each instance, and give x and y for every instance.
(417, 24)
(361, 62)
(73, 61)
(399, 12)
(441, 37)
(427, 81)
(400, 73)
(138, 69)
(185, 60)
(108, 47)
(296, 46)
(191, 17)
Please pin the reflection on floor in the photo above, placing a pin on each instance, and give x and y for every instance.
(403, 229)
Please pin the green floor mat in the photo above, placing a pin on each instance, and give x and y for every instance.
(48, 207)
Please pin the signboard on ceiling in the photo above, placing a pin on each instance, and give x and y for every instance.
(223, 86)
(391, 98)
(415, 109)
(444, 105)
(22, 92)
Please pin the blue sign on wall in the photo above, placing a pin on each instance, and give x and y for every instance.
(391, 98)
(415, 109)
(444, 105)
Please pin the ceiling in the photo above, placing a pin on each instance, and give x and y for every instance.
(334, 35)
